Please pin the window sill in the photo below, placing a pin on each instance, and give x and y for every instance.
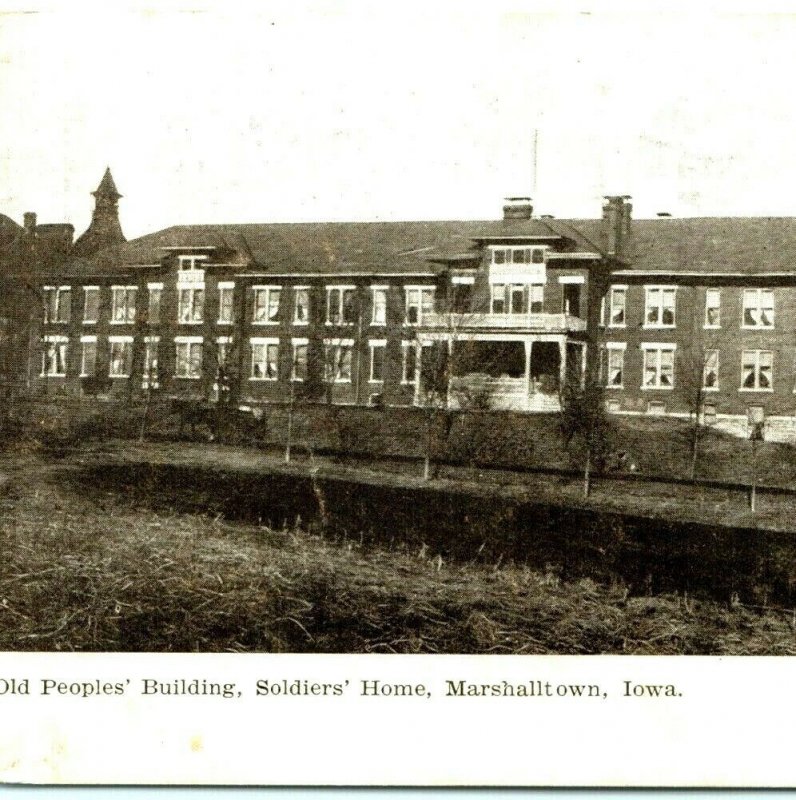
(122, 322)
(187, 377)
(297, 380)
(190, 322)
(615, 326)
(224, 322)
(657, 388)
(52, 375)
(89, 322)
(264, 380)
(339, 324)
(711, 389)
(376, 380)
(265, 322)
(653, 327)
(118, 377)
(301, 322)
(756, 391)
(711, 327)
(615, 386)
(757, 327)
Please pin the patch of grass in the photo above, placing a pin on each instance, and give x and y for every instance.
(104, 576)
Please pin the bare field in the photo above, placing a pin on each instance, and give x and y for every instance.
(101, 575)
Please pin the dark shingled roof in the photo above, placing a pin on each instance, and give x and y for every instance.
(107, 185)
(9, 230)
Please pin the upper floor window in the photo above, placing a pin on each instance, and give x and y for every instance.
(301, 305)
(191, 305)
(713, 308)
(756, 369)
(266, 305)
(153, 308)
(123, 304)
(517, 255)
(226, 291)
(91, 298)
(419, 304)
(57, 303)
(658, 366)
(191, 262)
(498, 298)
(188, 357)
(379, 296)
(659, 307)
(616, 309)
(54, 356)
(340, 305)
(758, 308)
(710, 370)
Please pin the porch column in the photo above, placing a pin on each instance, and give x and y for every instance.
(562, 370)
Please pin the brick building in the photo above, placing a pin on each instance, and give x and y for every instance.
(673, 314)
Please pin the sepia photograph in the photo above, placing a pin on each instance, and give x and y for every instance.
(333, 328)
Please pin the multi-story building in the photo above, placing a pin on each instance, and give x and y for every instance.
(676, 316)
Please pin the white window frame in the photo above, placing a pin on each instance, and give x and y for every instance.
(497, 292)
(124, 340)
(618, 289)
(188, 340)
(151, 344)
(373, 344)
(224, 287)
(294, 343)
(708, 305)
(129, 315)
(84, 340)
(706, 367)
(757, 370)
(374, 290)
(54, 340)
(417, 346)
(507, 254)
(269, 291)
(659, 348)
(296, 291)
(264, 342)
(649, 291)
(86, 290)
(152, 288)
(342, 289)
(620, 348)
(191, 262)
(59, 305)
(758, 305)
(420, 291)
(337, 343)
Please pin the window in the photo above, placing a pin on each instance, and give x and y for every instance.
(121, 356)
(123, 304)
(379, 305)
(618, 298)
(756, 370)
(54, 356)
(224, 351)
(537, 298)
(191, 305)
(299, 362)
(301, 305)
(57, 303)
(266, 305)
(572, 299)
(516, 299)
(192, 262)
(419, 303)
(226, 293)
(90, 305)
(377, 351)
(338, 361)
(602, 312)
(153, 307)
(659, 307)
(710, 370)
(658, 366)
(712, 308)
(498, 298)
(409, 365)
(517, 255)
(265, 360)
(150, 378)
(758, 308)
(340, 305)
(189, 357)
(88, 356)
(615, 364)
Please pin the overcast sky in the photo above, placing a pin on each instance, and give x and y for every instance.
(289, 111)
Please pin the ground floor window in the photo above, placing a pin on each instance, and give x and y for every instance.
(299, 360)
(265, 360)
(121, 356)
(188, 359)
(757, 369)
(614, 367)
(54, 356)
(377, 351)
(658, 367)
(88, 356)
(710, 371)
(337, 362)
(150, 380)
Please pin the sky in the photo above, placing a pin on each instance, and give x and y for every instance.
(348, 110)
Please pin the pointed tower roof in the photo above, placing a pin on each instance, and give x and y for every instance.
(107, 186)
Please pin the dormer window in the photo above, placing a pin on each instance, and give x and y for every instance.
(191, 262)
(517, 255)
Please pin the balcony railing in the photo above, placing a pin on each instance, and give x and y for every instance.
(536, 322)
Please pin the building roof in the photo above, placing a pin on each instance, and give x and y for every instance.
(107, 185)
(9, 230)
(332, 247)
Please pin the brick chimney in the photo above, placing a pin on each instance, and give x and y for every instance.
(517, 208)
(29, 222)
(616, 225)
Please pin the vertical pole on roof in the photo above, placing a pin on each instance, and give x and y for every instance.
(535, 161)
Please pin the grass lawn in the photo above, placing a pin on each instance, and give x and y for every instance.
(101, 575)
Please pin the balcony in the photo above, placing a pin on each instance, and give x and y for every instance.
(544, 323)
